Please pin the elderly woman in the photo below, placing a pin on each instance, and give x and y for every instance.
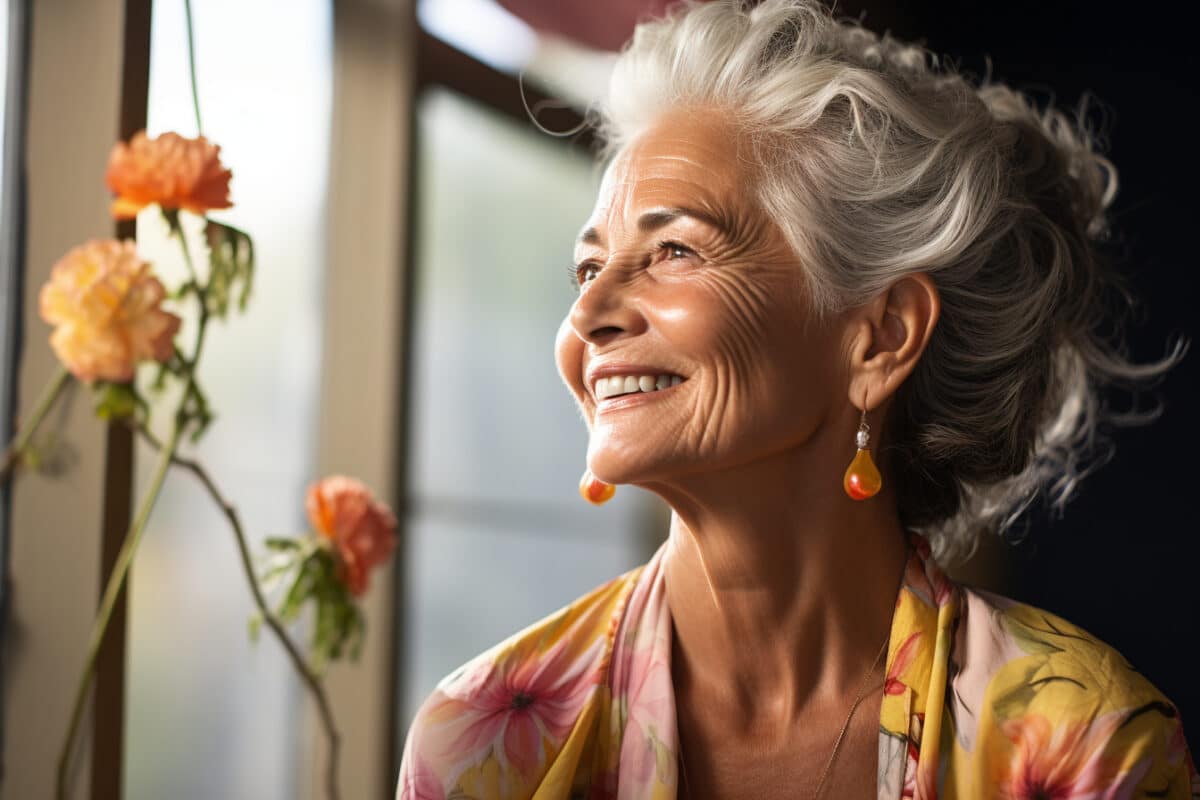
(837, 307)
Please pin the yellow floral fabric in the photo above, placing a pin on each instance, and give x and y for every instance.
(984, 698)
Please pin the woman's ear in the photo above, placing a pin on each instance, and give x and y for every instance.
(890, 334)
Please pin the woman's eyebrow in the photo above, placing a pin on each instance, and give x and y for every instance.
(660, 217)
(653, 220)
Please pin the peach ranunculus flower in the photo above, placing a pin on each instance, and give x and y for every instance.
(169, 170)
(104, 302)
(361, 529)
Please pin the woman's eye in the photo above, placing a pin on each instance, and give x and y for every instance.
(675, 250)
(582, 273)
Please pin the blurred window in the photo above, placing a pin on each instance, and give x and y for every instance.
(497, 532)
(209, 714)
(484, 30)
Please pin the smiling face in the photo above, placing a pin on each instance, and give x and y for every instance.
(683, 274)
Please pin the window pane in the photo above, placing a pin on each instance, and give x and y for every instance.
(209, 714)
(499, 536)
(474, 583)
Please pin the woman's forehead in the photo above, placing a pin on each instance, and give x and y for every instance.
(688, 157)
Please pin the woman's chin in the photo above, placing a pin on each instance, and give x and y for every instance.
(613, 475)
(616, 468)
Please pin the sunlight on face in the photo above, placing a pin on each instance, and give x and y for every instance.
(683, 274)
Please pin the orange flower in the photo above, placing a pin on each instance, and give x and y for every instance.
(104, 301)
(169, 170)
(362, 530)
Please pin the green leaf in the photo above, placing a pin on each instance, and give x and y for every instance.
(196, 412)
(116, 400)
(174, 366)
(247, 263)
(49, 454)
(189, 286)
(299, 592)
(1034, 640)
(338, 622)
(273, 574)
(231, 267)
(281, 543)
(324, 644)
(253, 626)
(171, 216)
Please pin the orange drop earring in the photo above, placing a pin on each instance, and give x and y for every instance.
(594, 490)
(862, 478)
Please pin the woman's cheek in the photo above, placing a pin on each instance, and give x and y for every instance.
(724, 316)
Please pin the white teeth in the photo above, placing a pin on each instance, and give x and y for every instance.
(627, 384)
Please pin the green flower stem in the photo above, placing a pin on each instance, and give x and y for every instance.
(191, 42)
(120, 573)
(191, 391)
(311, 680)
(112, 590)
(45, 402)
(176, 229)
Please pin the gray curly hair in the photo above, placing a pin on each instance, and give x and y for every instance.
(877, 162)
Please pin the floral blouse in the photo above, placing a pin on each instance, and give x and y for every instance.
(984, 697)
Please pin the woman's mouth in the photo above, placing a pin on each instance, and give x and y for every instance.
(618, 385)
(619, 391)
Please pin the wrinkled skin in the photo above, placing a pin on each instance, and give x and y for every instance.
(781, 588)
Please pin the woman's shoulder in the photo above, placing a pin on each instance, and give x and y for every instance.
(1000, 637)
(1037, 696)
(511, 709)
(582, 629)
(577, 626)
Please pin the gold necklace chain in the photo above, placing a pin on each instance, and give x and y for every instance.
(845, 725)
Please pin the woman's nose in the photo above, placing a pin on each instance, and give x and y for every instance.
(606, 309)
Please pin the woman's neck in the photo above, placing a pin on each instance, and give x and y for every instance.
(781, 588)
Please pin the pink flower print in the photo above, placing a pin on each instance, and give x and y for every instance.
(507, 705)
(904, 657)
(1063, 762)
(921, 546)
(926, 571)
(941, 585)
(926, 779)
(910, 772)
(651, 712)
(419, 782)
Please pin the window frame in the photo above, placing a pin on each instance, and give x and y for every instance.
(441, 65)
(65, 530)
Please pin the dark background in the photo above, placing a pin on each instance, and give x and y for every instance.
(1122, 560)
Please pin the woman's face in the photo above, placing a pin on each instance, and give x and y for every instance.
(683, 274)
